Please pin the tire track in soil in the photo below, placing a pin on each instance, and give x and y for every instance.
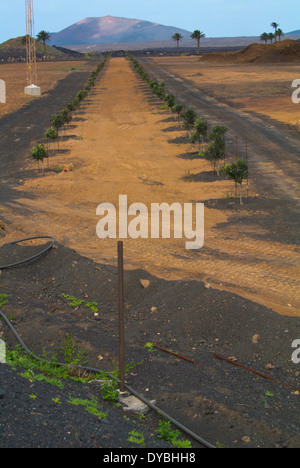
(269, 142)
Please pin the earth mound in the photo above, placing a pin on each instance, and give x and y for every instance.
(279, 52)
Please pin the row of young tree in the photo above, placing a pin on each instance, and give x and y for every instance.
(60, 120)
(212, 141)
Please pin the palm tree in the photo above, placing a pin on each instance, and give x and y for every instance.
(279, 33)
(177, 37)
(198, 35)
(271, 37)
(264, 37)
(43, 36)
(275, 26)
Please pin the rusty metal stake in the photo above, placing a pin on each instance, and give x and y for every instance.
(121, 317)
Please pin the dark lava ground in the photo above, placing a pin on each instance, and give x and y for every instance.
(192, 328)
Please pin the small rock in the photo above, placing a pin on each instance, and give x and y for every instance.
(145, 283)
(207, 286)
(131, 403)
(255, 339)
(153, 309)
(246, 440)
(269, 367)
(233, 358)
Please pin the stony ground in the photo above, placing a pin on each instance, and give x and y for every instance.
(192, 327)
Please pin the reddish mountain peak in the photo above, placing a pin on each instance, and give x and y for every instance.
(112, 29)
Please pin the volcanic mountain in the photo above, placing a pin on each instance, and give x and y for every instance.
(110, 29)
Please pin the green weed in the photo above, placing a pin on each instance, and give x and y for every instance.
(74, 301)
(165, 432)
(91, 406)
(56, 400)
(150, 347)
(4, 299)
(73, 356)
(93, 306)
(136, 438)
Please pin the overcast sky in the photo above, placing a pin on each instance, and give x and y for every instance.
(217, 18)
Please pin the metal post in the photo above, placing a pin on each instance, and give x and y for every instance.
(30, 44)
(121, 317)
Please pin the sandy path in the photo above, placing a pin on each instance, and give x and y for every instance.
(123, 149)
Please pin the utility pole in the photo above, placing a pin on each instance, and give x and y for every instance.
(31, 71)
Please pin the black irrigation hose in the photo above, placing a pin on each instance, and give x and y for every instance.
(34, 256)
(172, 420)
(130, 390)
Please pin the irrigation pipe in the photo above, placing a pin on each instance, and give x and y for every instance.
(264, 376)
(33, 256)
(128, 388)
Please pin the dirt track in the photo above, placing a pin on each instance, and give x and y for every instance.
(121, 144)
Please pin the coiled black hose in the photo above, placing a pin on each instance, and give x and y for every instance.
(33, 256)
(128, 388)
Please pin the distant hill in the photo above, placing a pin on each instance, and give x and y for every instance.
(286, 51)
(295, 32)
(111, 29)
(111, 33)
(15, 49)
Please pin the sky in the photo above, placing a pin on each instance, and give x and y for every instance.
(216, 18)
